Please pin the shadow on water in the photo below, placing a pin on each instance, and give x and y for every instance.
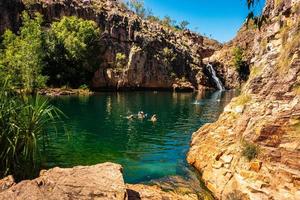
(100, 131)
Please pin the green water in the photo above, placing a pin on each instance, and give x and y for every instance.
(100, 132)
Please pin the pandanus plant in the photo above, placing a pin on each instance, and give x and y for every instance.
(24, 122)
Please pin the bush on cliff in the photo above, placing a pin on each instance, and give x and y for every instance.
(22, 56)
(240, 64)
(250, 151)
(64, 55)
(120, 60)
(138, 7)
(72, 49)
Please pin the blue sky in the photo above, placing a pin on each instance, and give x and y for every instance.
(219, 18)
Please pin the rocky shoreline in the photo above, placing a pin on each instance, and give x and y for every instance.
(102, 181)
(53, 92)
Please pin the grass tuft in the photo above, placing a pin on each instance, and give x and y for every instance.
(250, 151)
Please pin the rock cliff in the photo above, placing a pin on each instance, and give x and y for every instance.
(253, 150)
(150, 55)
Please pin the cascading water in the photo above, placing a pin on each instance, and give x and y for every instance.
(214, 76)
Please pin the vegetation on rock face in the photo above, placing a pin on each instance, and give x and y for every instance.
(250, 151)
(169, 55)
(289, 46)
(71, 49)
(24, 121)
(239, 63)
(22, 55)
(120, 61)
(63, 55)
(242, 99)
(139, 8)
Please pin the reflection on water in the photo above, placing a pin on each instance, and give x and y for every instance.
(101, 132)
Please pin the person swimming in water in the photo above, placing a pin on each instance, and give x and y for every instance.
(154, 118)
(141, 115)
(130, 117)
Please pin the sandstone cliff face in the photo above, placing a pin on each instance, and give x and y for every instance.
(265, 118)
(155, 56)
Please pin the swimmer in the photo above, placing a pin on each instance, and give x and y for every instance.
(141, 115)
(154, 118)
(130, 117)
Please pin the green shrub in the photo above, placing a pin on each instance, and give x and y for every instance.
(138, 7)
(120, 60)
(242, 99)
(238, 58)
(72, 50)
(241, 66)
(22, 57)
(250, 151)
(29, 3)
(183, 25)
(168, 22)
(153, 18)
(168, 54)
(296, 89)
(290, 46)
(84, 87)
(24, 122)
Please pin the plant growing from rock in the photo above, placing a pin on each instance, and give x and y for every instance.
(296, 89)
(290, 47)
(168, 54)
(183, 25)
(120, 60)
(242, 100)
(138, 7)
(72, 44)
(168, 22)
(240, 65)
(250, 151)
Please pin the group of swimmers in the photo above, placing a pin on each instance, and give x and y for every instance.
(142, 115)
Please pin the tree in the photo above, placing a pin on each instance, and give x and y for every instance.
(138, 7)
(153, 18)
(183, 25)
(241, 66)
(22, 58)
(72, 44)
(167, 21)
(258, 20)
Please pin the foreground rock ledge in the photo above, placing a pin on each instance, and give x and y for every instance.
(103, 181)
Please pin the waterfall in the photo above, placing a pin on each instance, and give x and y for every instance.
(214, 76)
